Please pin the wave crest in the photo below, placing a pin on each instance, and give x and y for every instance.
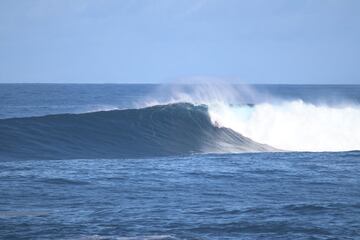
(180, 128)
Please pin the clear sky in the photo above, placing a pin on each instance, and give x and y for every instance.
(127, 41)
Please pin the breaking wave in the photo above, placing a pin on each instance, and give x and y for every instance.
(160, 130)
(185, 119)
(306, 121)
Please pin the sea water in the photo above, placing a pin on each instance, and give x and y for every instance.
(306, 186)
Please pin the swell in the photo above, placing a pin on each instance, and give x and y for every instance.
(161, 130)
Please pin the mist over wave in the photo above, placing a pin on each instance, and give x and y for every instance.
(322, 123)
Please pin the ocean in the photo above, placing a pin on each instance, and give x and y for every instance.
(179, 161)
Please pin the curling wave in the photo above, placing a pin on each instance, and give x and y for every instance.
(180, 128)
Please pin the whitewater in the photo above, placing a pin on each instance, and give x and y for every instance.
(294, 125)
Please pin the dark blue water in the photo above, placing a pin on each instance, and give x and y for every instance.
(49, 192)
(243, 196)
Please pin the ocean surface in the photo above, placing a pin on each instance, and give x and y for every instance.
(202, 161)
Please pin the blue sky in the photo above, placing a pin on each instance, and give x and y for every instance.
(128, 41)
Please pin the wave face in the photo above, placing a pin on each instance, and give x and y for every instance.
(294, 125)
(180, 128)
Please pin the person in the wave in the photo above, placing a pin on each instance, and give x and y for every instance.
(216, 124)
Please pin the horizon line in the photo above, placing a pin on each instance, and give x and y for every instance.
(171, 83)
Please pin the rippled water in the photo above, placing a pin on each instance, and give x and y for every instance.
(205, 196)
(232, 196)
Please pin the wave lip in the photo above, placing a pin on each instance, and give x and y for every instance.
(180, 128)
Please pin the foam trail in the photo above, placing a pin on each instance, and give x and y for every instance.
(294, 125)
